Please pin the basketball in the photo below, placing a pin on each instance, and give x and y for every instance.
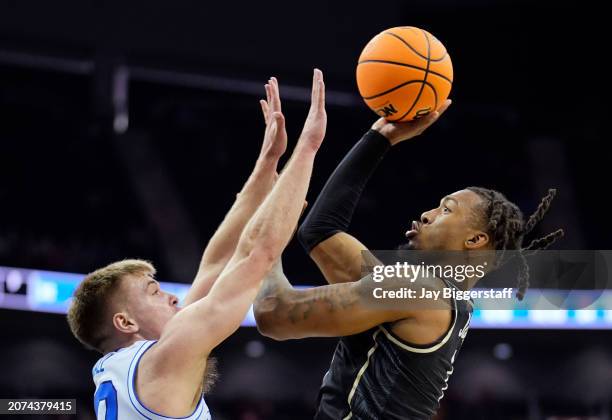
(404, 73)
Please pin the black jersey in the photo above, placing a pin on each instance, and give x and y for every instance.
(375, 375)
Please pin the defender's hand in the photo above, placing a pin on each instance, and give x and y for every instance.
(275, 136)
(398, 132)
(316, 122)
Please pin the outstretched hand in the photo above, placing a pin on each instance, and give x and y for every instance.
(313, 132)
(275, 136)
(398, 132)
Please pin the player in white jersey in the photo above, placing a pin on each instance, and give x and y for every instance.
(155, 353)
(115, 392)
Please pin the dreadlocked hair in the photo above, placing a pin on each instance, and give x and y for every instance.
(507, 228)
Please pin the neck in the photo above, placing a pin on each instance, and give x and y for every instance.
(115, 344)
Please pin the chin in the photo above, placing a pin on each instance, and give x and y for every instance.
(409, 246)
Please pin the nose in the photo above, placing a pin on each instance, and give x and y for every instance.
(173, 299)
(427, 218)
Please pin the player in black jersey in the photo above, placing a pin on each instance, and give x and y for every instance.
(390, 363)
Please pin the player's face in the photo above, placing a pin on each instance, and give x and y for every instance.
(149, 306)
(448, 226)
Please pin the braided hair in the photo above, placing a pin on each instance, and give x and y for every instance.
(507, 228)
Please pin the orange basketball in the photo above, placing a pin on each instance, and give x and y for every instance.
(404, 73)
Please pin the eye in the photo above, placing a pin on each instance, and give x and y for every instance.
(446, 210)
(156, 292)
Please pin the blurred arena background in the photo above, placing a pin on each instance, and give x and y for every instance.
(127, 128)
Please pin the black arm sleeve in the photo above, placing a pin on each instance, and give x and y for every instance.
(333, 210)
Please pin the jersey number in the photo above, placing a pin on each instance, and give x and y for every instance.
(106, 392)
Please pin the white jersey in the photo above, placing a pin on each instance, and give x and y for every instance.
(115, 397)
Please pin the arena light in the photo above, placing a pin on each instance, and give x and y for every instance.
(51, 291)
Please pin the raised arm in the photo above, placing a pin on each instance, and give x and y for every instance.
(260, 244)
(223, 243)
(323, 234)
(176, 363)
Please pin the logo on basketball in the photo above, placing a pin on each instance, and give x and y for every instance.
(422, 113)
(386, 111)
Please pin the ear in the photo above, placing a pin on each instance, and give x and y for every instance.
(477, 240)
(123, 323)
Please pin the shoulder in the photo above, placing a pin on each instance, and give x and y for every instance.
(430, 327)
(121, 358)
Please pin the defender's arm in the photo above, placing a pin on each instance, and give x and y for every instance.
(175, 365)
(222, 245)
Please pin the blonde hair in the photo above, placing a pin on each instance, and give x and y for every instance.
(89, 316)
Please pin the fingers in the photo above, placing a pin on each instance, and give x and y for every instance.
(317, 99)
(445, 106)
(424, 123)
(314, 92)
(267, 86)
(275, 95)
(272, 102)
(264, 109)
(313, 132)
(279, 119)
(275, 126)
(436, 114)
(433, 117)
(275, 135)
(321, 87)
(268, 96)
